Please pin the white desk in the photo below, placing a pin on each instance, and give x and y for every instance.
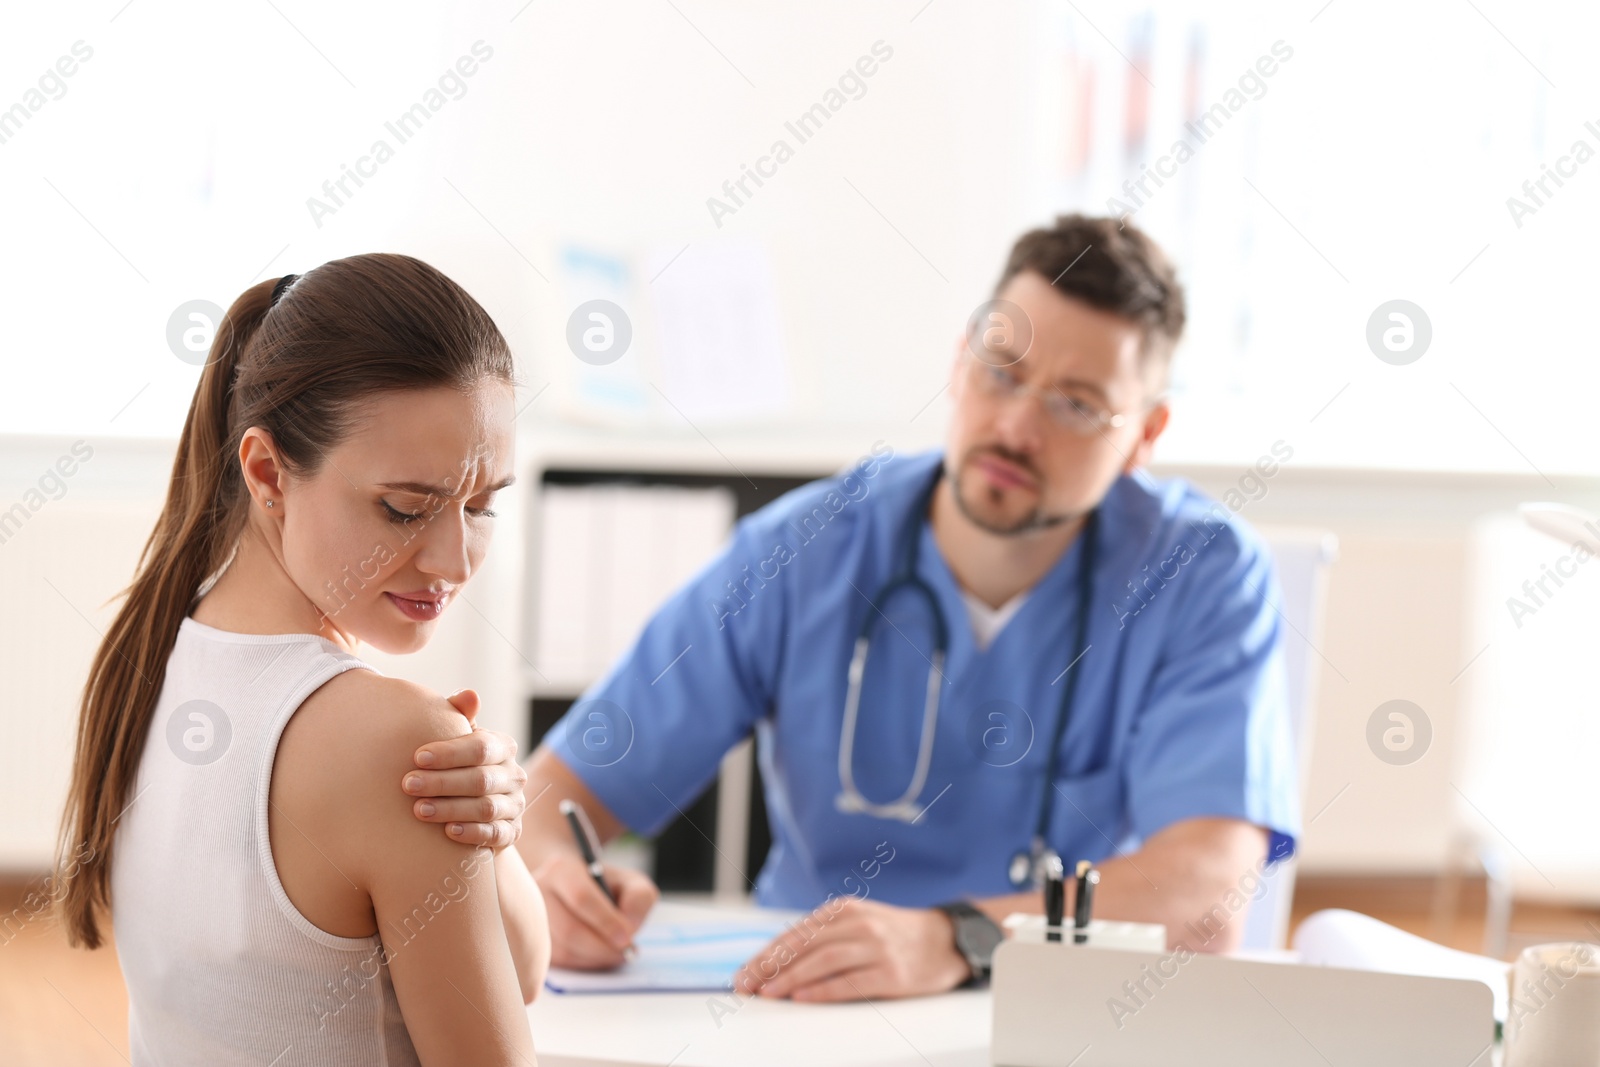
(682, 1030)
(679, 1029)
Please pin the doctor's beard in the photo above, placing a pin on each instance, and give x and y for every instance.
(1037, 519)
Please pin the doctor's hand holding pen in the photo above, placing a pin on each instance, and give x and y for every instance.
(594, 909)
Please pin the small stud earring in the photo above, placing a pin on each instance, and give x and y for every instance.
(269, 503)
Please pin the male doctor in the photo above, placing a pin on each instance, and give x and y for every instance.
(954, 663)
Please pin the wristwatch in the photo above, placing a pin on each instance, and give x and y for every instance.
(977, 936)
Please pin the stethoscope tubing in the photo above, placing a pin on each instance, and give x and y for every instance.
(905, 808)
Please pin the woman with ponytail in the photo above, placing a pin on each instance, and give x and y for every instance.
(333, 485)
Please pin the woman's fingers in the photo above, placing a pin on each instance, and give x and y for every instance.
(473, 786)
(494, 835)
(466, 702)
(496, 807)
(477, 749)
(464, 782)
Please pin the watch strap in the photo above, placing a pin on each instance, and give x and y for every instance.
(976, 937)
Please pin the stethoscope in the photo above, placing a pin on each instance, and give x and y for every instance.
(1024, 863)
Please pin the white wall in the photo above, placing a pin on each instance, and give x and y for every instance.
(180, 161)
(1417, 611)
(608, 124)
(1527, 783)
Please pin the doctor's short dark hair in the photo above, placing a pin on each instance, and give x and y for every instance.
(1111, 266)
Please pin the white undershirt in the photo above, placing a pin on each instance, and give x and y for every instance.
(987, 622)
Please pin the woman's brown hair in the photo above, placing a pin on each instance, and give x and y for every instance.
(298, 367)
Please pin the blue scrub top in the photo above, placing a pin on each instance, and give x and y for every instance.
(1180, 710)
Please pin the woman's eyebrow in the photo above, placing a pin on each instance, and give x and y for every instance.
(436, 490)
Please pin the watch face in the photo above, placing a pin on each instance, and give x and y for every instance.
(977, 937)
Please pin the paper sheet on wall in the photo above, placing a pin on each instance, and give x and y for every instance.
(719, 336)
(599, 384)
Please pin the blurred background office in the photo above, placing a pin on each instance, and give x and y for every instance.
(733, 246)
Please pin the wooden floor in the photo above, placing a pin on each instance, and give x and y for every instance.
(57, 1005)
(62, 1007)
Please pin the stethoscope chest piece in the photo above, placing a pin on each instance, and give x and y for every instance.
(1021, 872)
(1026, 863)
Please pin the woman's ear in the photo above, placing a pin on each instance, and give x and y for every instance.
(262, 469)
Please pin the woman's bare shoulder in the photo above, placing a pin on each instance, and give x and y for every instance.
(340, 821)
(380, 712)
(349, 745)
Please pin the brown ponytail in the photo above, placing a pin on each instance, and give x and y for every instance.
(343, 331)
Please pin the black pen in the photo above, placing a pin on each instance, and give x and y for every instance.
(588, 844)
(1055, 897)
(1083, 906)
(589, 848)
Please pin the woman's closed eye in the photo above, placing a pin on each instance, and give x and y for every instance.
(397, 516)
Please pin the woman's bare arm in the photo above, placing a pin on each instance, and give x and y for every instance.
(436, 903)
(527, 924)
(522, 906)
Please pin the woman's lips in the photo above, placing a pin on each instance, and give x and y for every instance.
(419, 607)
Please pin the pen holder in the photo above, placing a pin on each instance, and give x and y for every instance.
(1137, 937)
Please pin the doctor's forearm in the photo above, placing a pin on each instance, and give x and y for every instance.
(1180, 878)
(1125, 895)
(1188, 876)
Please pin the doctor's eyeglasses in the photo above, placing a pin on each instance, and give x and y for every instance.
(992, 374)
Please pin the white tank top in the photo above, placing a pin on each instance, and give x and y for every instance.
(220, 966)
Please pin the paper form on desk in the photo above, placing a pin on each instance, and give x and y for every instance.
(681, 955)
